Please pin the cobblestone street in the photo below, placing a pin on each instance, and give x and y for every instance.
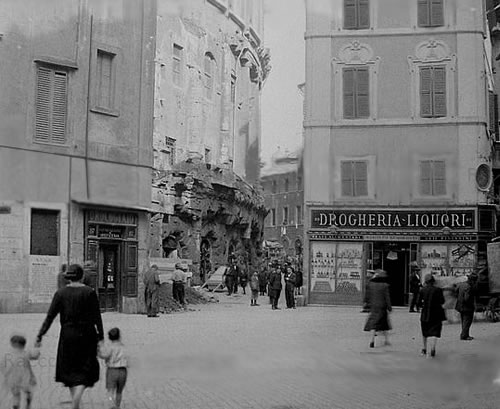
(231, 355)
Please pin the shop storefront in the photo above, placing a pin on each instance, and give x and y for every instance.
(344, 243)
(111, 255)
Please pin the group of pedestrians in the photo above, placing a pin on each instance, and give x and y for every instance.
(81, 342)
(427, 299)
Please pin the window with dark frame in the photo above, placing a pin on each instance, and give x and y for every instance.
(44, 234)
(356, 88)
(432, 178)
(274, 187)
(298, 211)
(208, 156)
(287, 183)
(51, 105)
(354, 176)
(177, 64)
(170, 150)
(356, 14)
(209, 64)
(286, 218)
(105, 84)
(273, 217)
(430, 13)
(433, 91)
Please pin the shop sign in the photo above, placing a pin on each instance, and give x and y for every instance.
(393, 219)
(109, 217)
(110, 232)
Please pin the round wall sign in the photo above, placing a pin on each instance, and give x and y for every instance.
(483, 176)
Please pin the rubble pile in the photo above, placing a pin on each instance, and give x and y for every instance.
(192, 296)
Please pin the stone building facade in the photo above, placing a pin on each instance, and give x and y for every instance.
(76, 147)
(210, 67)
(397, 152)
(283, 190)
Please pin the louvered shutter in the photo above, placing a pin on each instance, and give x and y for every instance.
(91, 255)
(59, 107)
(436, 13)
(104, 72)
(425, 92)
(42, 104)
(425, 178)
(361, 178)
(439, 178)
(129, 282)
(350, 19)
(347, 178)
(439, 88)
(364, 14)
(362, 93)
(349, 97)
(423, 13)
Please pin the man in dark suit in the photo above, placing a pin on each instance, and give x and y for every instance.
(466, 294)
(275, 286)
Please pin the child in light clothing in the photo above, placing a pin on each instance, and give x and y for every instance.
(16, 369)
(116, 359)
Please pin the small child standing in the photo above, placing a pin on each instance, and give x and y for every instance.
(116, 359)
(16, 369)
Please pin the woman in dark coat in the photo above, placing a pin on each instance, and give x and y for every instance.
(81, 329)
(380, 306)
(432, 315)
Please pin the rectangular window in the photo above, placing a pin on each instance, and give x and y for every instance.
(433, 178)
(299, 183)
(286, 185)
(356, 92)
(285, 215)
(208, 156)
(354, 176)
(44, 232)
(105, 86)
(177, 64)
(273, 217)
(170, 150)
(433, 91)
(209, 75)
(356, 14)
(298, 211)
(430, 13)
(274, 188)
(51, 105)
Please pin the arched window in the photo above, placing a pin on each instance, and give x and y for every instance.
(209, 70)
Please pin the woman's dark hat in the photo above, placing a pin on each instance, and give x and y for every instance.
(75, 271)
(429, 278)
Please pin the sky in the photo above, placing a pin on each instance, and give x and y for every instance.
(284, 26)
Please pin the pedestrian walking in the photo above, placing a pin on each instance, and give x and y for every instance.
(237, 273)
(380, 306)
(81, 329)
(263, 278)
(151, 291)
(466, 305)
(254, 288)
(366, 297)
(232, 274)
(18, 376)
(290, 279)
(243, 279)
(179, 281)
(275, 287)
(432, 315)
(299, 282)
(116, 359)
(415, 286)
(61, 281)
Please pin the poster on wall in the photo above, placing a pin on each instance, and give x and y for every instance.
(42, 275)
(462, 259)
(349, 259)
(434, 259)
(323, 266)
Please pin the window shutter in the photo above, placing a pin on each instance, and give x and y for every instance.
(348, 84)
(436, 13)
(92, 255)
(129, 284)
(350, 14)
(439, 173)
(105, 62)
(439, 88)
(364, 14)
(361, 178)
(362, 94)
(59, 107)
(425, 178)
(42, 104)
(347, 178)
(423, 13)
(425, 92)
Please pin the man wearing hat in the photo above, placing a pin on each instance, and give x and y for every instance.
(415, 286)
(179, 279)
(466, 304)
(151, 291)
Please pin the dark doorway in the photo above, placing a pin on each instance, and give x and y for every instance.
(108, 278)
